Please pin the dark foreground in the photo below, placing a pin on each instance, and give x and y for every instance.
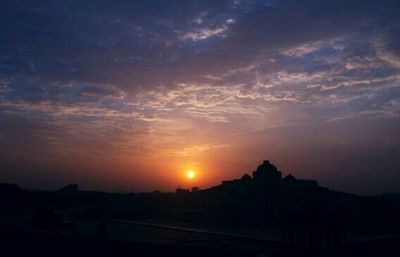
(66, 245)
(262, 215)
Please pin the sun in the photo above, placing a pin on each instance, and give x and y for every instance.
(190, 174)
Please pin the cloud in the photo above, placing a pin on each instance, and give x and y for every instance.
(199, 149)
(137, 78)
(205, 33)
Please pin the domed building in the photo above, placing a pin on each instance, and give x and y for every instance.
(267, 174)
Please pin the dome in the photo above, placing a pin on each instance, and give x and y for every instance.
(267, 173)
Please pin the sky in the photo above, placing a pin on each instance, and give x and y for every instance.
(129, 95)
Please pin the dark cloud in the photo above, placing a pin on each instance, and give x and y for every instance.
(136, 44)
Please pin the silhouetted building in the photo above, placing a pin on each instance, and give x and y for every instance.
(6, 188)
(195, 189)
(246, 178)
(267, 174)
(182, 191)
(291, 181)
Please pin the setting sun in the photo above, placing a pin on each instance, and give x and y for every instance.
(190, 174)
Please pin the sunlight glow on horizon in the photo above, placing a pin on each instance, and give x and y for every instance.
(190, 174)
